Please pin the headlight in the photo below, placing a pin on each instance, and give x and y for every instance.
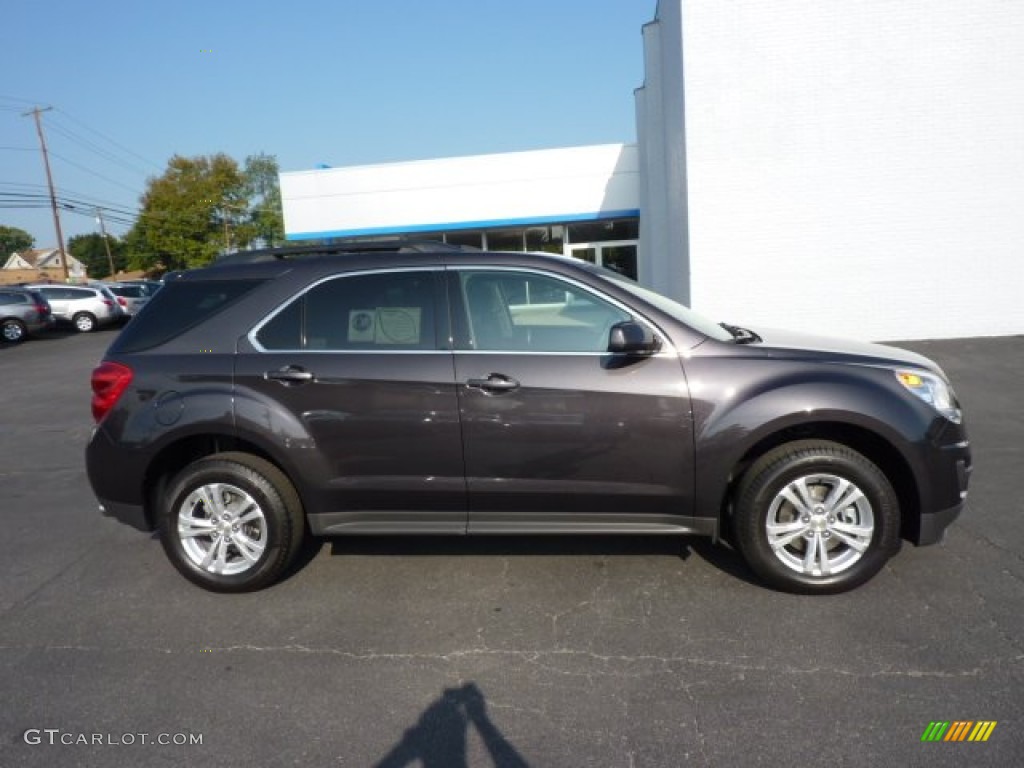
(933, 390)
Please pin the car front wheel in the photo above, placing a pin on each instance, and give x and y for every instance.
(816, 517)
(232, 522)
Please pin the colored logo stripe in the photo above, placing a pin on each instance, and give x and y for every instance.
(982, 730)
(958, 730)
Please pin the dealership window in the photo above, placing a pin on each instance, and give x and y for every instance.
(611, 243)
(472, 238)
(604, 230)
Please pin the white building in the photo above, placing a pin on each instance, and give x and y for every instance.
(854, 168)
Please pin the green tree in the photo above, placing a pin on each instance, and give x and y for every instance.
(13, 239)
(195, 210)
(136, 251)
(264, 192)
(89, 250)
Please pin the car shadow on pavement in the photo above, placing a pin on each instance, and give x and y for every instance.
(438, 739)
(720, 556)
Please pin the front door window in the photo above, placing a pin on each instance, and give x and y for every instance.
(528, 312)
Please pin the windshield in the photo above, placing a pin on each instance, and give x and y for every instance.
(670, 307)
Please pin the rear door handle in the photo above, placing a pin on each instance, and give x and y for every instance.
(289, 375)
(495, 382)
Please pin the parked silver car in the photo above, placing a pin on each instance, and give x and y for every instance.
(22, 312)
(131, 296)
(86, 307)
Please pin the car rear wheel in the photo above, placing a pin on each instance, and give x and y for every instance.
(232, 522)
(13, 330)
(84, 322)
(816, 517)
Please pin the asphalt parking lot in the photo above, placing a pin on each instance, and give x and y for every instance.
(508, 652)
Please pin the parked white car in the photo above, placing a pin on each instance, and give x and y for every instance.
(86, 307)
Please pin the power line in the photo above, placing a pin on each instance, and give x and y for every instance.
(94, 173)
(82, 200)
(65, 192)
(110, 140)
(85, 143)
(15, 98)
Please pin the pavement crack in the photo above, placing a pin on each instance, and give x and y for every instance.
(566, 662)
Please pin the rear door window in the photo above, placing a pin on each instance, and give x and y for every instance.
(381, 311)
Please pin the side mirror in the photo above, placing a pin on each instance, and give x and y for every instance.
(632, 338)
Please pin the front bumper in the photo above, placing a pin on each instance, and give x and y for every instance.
(944, 491)
(934, 525)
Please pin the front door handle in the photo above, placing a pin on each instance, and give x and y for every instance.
(289, 375)
(495, 382)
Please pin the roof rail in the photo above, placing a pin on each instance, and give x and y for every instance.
(396, 245)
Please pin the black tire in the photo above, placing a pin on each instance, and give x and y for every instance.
(248, 486)
(84, 322)
(13, 330)
(835, 537)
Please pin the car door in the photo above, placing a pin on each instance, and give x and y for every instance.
(356, 376)
(558, 433)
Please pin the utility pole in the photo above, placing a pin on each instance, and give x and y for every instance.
(106, 244)
(53, 197)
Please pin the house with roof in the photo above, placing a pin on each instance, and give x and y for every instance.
(44, 263)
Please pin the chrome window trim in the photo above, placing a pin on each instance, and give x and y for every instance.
(251, 336)
(668, 348)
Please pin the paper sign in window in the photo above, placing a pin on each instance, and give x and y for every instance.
(384, 325)
(361, 325)
(398, 325)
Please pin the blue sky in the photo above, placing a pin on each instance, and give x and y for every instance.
(346, 82)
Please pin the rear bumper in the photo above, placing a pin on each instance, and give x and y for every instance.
(116, 480)
(40, 326)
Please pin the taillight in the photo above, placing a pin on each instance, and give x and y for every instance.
(109, 381)
(121, 300)
(42, 309)
(109, 303)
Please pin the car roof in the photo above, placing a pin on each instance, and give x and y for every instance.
(271, 263)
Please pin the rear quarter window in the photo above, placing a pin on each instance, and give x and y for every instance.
(178, 307)
(131, 291)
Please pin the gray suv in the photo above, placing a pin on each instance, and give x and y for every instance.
(430, 390)
(86, 307)
(22, 312)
